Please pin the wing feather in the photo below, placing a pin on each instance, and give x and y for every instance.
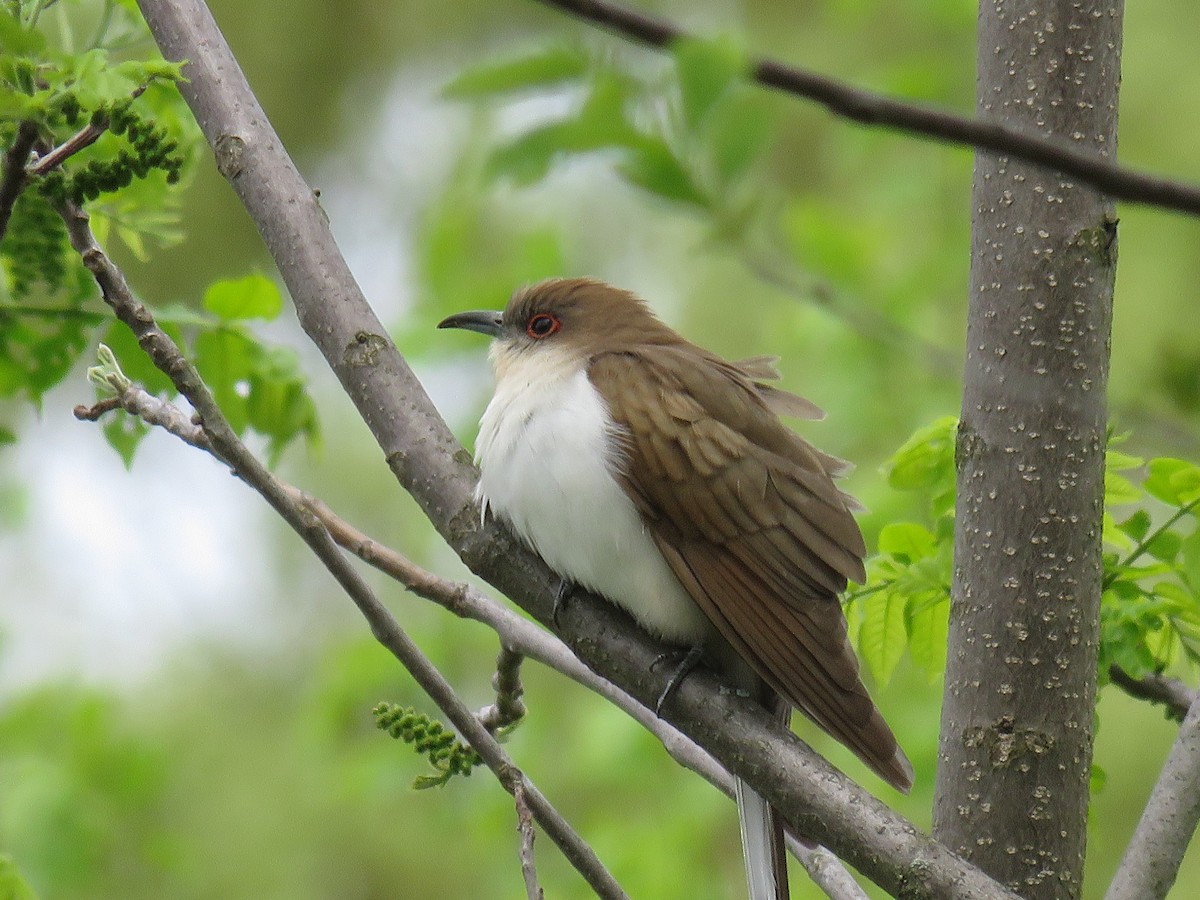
(748, 517)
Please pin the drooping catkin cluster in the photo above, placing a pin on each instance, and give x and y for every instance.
(445, 752)
(149, 148)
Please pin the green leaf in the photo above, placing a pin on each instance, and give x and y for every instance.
(1111, 534)
(1190, 567)
(929, 632)
(124, 434)
(882, 635)
(907, 541)
(16, 39)
(654, 167)
(7, 436)
(251, 297)
(1165, 546)
(225, 358)
(12, 885)
(1118, 461)
(1136, 526)
(1173, 481)
(707, 69)
(278, 404)
(925, 460)
(540, 69)
(1118, 489)
(739, 132)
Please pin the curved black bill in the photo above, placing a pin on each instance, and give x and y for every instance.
(485, 321)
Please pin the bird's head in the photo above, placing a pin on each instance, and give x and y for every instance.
(575, 316)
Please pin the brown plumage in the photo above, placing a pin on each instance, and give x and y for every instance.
(654, 472)
(745, 511)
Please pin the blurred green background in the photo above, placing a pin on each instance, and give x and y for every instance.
(185, 696)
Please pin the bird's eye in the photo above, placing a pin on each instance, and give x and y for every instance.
(542, 325)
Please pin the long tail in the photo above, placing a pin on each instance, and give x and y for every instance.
(762, 845)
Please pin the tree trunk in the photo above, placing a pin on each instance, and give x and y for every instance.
(1016, 739)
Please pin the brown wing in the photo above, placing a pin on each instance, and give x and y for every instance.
(749, 519)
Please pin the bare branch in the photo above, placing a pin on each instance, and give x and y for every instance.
(1151, 861)
(1172, 693)
(869, 108)
(13, 178)
(525, 827)
(816, 799)
(225, 444)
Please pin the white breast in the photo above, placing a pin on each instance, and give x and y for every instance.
(546, 457)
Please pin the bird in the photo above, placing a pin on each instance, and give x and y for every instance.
(660, 476)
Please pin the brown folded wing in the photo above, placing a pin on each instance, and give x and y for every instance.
(748, 517)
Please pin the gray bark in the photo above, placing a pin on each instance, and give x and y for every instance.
(1151, 861)
(1016, 740)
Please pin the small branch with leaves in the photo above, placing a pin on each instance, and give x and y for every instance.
(224, 443)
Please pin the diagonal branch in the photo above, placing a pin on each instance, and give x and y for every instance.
(879, 110)
(226, 446)
(519, 636)
(815, 798)
(1151, 861)
(526, 638)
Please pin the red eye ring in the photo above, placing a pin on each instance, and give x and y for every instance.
(542, 325)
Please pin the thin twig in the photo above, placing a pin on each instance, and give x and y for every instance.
(525, 828)
(1172, 693)
(13, 179)
(869, 108)
(1151, 862)
(226, 445)
(81, 139)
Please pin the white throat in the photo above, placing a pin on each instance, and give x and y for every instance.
(547, 451)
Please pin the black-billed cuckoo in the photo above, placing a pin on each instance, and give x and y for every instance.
(659, 476)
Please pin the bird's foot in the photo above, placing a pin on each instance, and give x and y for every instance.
(690, 660)
(566, 589)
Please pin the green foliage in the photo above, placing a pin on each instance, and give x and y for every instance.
(447, 755)
(12, 885)
(696, 154)
(46, 297)
(126, 179)
(552, 65)
(259, 387)
(1150, 614)
(1150, 608)
(252, 297)
(71, 771)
